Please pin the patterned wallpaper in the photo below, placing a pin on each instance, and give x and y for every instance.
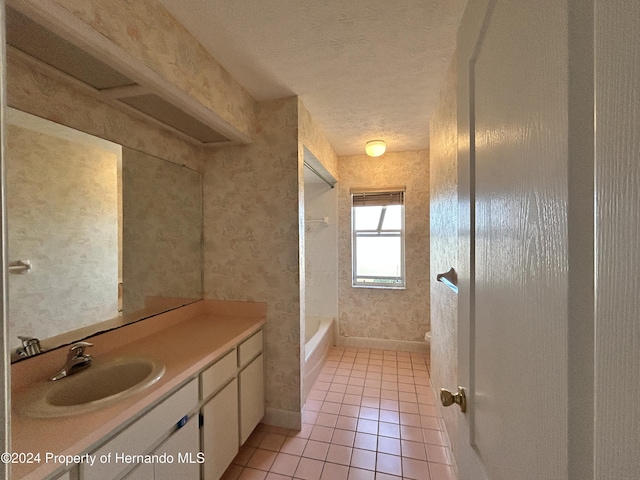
(312, 137)
(162, 230)
(444, 243)
(37, 89)
(146, 31)
(63, 217)
(251, 238)
(385, 313)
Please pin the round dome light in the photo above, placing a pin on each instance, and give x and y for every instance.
(375, 148)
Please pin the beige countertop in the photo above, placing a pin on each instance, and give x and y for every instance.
(186, 340)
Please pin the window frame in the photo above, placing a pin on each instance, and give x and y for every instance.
(379, 232)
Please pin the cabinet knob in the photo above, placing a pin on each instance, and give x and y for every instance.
(459, 398)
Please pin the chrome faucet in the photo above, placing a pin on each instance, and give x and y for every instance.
(30, 346)
(77, 360)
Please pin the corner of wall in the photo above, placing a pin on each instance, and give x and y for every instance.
(444, 245)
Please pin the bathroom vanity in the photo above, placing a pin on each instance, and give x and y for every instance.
(189, 424)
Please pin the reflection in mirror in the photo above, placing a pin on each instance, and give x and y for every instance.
(112, 235)
(162, 234)
(63, 214)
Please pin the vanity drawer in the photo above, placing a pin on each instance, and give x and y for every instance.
(249, 348)
(218, 374)
(139, 437)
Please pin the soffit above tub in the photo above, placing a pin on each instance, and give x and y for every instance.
(35, 40)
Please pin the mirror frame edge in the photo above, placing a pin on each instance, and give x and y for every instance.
(6, 371)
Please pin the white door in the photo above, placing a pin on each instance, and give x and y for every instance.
(617, 339)
(514, 315)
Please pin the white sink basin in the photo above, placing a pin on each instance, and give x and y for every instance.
(96, 387)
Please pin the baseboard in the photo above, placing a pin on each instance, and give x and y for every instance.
(444, 430)
(283, 418)
(383, 344)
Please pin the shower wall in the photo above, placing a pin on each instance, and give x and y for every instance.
(321, 248)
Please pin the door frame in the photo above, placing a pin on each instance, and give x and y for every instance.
(471, 32)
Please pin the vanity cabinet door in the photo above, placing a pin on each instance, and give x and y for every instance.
(141, 472)
(183, 446)
(220, 431)
(251, 397)
(67, 475)
(141, 436)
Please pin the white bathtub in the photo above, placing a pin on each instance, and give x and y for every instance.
(319, 337)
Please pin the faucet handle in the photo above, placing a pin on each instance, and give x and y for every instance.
(77, 349)
(30, 346)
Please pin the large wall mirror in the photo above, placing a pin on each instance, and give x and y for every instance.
(99, 235)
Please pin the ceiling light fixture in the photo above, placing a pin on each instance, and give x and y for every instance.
(375, 148)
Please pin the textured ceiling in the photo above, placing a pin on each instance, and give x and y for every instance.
(364, 69)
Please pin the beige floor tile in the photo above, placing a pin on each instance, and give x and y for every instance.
(262, 460)
(343, 437)
(390, 464)
(415, 450)
(333, 471)
(370, 416)
(415, 469)
(293, 446)
(252, 474)
(390, 445)
(361, 474)
(309, 469)
(365, 459)
(340, 454)
(285, 464)
(316, 450)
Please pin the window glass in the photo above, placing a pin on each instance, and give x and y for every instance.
(379, 257)
(393, 218)
(378, 239)
(367, 218)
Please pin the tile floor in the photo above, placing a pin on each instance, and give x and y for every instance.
(370, 415)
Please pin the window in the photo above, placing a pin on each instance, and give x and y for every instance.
(377, 234)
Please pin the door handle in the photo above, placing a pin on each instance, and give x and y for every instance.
(459, 398)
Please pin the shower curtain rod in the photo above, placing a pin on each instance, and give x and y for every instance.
(319, 175)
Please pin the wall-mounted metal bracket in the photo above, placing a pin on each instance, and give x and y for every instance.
(20, 266)
(450, 279)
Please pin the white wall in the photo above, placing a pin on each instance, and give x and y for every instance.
(321, 249)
